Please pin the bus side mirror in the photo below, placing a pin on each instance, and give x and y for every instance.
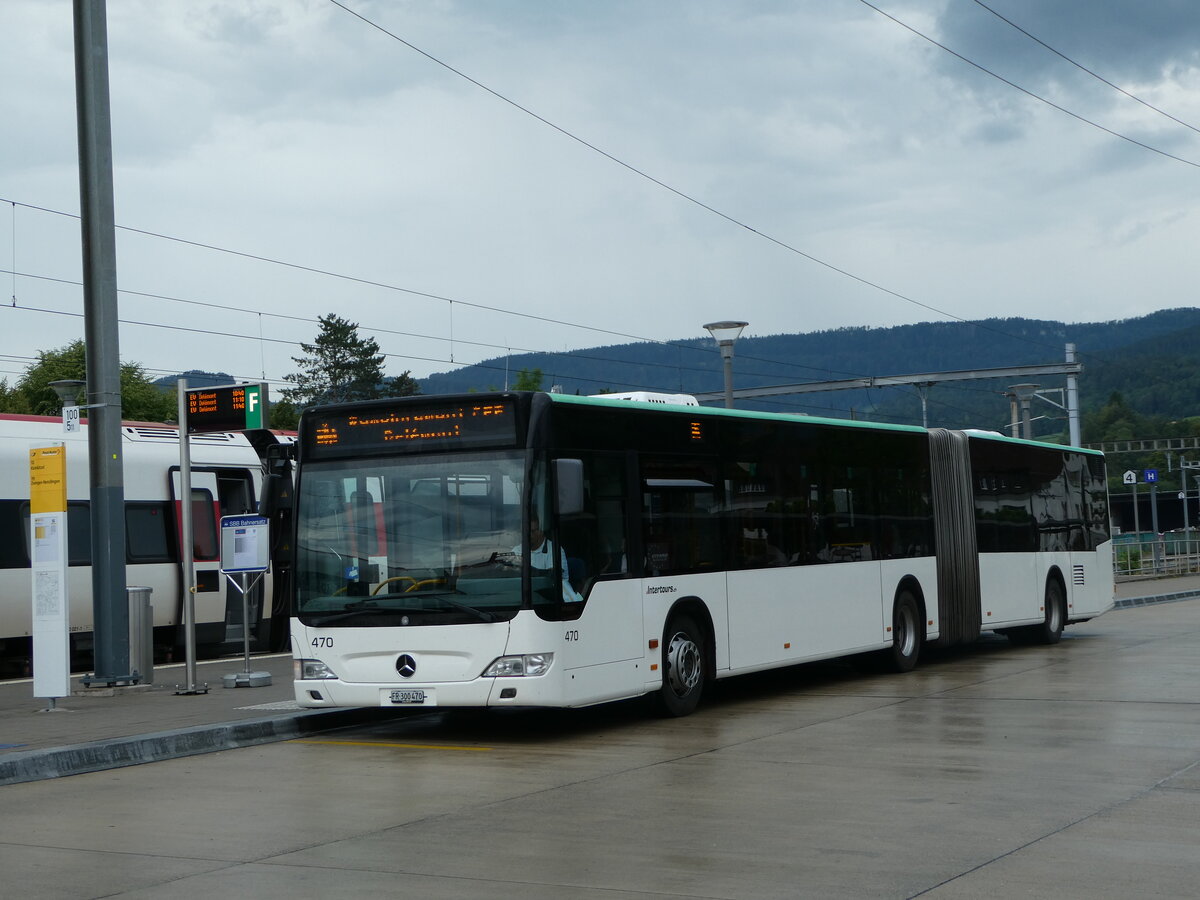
(276, 494)
(568, 475)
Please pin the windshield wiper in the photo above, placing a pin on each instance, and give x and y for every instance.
(361, 608)
(370, 607)
(483, 614)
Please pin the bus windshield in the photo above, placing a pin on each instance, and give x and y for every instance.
(411, 540)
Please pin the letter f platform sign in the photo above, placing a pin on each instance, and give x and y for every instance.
(256, 406)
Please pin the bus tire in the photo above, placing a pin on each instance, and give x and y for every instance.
(683, 661)
(1051, 628)
(906, 633)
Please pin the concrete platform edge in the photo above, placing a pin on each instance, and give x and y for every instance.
(1127, 602)
(97, 756)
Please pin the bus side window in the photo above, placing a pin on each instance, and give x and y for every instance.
(1097, 502)
(680, 517)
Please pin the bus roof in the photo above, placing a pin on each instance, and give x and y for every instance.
(798, 417)
(734, 413)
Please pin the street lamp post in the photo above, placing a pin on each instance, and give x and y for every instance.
(725, 333)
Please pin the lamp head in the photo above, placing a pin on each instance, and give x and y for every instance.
(725, 332)
(68, 390)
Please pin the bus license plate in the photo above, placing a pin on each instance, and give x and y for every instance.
(410, 698)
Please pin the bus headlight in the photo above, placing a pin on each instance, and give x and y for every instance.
(311, 670)
(512, 666)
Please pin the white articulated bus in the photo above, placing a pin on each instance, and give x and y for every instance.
(531, 549)
(226, 479)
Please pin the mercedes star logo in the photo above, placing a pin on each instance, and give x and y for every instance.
(406, 666)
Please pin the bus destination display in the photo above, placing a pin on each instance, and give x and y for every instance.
(415, 429)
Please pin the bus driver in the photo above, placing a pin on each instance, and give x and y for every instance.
(541, 557)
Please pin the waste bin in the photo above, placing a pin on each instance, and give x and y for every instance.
(141, 633)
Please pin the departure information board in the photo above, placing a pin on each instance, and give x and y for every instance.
(230, 407)
(407, 428)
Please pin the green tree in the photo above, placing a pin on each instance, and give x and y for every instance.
(11, 399)
(284, 414)
(140, 398)
(528, 380)
(339, 365)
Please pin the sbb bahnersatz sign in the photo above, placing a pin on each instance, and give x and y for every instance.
(245, 544)
(229, 407)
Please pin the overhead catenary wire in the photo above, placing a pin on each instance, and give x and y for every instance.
(254, 337)
(606, 383)
(688, 345)
(374, 329)
(1083, 68)
(569, 355)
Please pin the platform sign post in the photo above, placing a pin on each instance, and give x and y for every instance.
(48, 569)
(192, 686)
(245, 551)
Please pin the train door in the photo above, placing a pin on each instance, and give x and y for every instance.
(216, 493)
(206, 549)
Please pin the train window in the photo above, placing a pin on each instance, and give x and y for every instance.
(204, 525)
(14, 536)
(148, 533)
(79, 533)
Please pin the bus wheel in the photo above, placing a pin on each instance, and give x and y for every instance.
(1056, 616)
(1051, 628)
(683, 667)
(906, 633)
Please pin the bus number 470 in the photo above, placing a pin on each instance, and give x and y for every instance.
(322, 642)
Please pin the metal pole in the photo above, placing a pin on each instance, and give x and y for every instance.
(110, 606)
(1137, 522)
(1073, 402)
(1158, 544)
(186, 551)
(1187, 528)
(1154, 508)
(245, 624)
(727, 359)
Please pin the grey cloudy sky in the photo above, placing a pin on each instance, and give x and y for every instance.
(294, 131)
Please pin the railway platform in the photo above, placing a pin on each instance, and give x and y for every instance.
(105, 728)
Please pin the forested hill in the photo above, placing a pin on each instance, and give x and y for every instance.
(1154, 361)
